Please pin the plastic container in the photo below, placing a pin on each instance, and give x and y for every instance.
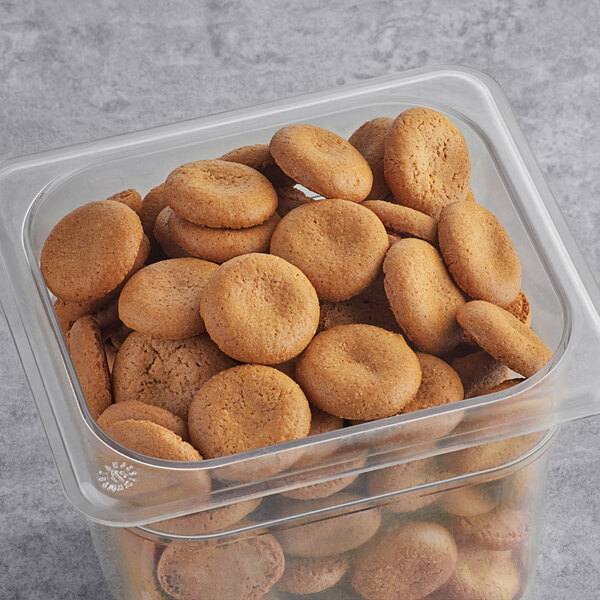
(124, 494)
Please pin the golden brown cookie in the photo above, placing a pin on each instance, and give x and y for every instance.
(162, 234)
(258, 156)
(479, 253)
(322, 422)
(90, 251)
(162, 300)
(312, 575)
(359, 372)
(89, 360)
(408, 561)
(259, 308)
(289, 198)
(220, 245)
(338, 245)
(504, 337)
(322, 161)
(218, 193)
(329, 537)
(247, 407)
(152, 204)
(426, 162)
(129, 198)
(521, 309)
(151, 439)
(142, 411)
(468, 501)
(405, 221)
(243, 569)
(68, 312)
(165, 373)
(479, 372)
(369, 140)
(423, 296)
(470, 197)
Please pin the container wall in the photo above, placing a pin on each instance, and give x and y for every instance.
(414, 530)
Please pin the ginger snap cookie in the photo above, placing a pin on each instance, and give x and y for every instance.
(479, 372)
(162, 234)
(479, 253)
(369, 140)
(338, 245)
(423, 296)
(151, 439)
(141, 411)
(289, 198)
(162, 300)
(220, 194)
(259, 308)
(242, 569)
(220, 245)
(129, 198)
(89, 360)
(409, 561)
(247, 407)
(322, 161)
(504, 337)
(426, 161)
(90, 251)
(322, 422)
(312, 575)
(359, 372)
(468, 501)
(402, 220)
(152, 204)
(521, 308)
(258, 156)
(68, 312)
(165, 373)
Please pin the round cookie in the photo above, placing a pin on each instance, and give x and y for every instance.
(129, 198)
(162, 234)
(359, 372)
(312, 575)
(423, 296)
(258, 156)
(258, 308)
(243, 569)
(91, 250)
(247, 407)
(504, 337)
(426, 161)
(338, 245)
(322, 422)
(162, 300)
(152, 204)
(479, 253)
(151, 439)
(68, 312)
(220, 245)
(479, 372)
(220, 194)
(468, 501)
(408, 561)
(322, 161)
(134, 410)
(89, 360)
(165, 373)
(289, 198)
(369, 140)
(399, 219)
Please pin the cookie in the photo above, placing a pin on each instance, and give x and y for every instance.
(504, 337)
(338, 245)
(91, 250)
(312, 575)
(243, 569)
(521, 308)
(479, 373)
(332, 536)
(408, 561)
(129, 198)
(258, 156)
(470, 196)
(322, 161)
(405, 221)
(162, 300)
(479, 253)
(152, 204)
(322, 422)
(422, 295)
(111, 353)
(468, 501)
(289, 198)
(258, 308)
(151, 439)
(220, 245)
(165, 373)
(89, 360)
(117, 338)
(247, 407)
(359, 372)
(68, 312)
(369, 140)
(141, 411)
(220, 194)
(426, 161)
(162, 234)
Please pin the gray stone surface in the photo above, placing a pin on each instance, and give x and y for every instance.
(76, 71)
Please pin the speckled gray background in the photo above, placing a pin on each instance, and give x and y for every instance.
(76, 71)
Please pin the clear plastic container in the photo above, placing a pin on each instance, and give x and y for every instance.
(125, 494)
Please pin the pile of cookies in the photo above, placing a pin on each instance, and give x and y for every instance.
(289, 289)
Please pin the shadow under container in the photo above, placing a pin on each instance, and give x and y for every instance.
(479, 485)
